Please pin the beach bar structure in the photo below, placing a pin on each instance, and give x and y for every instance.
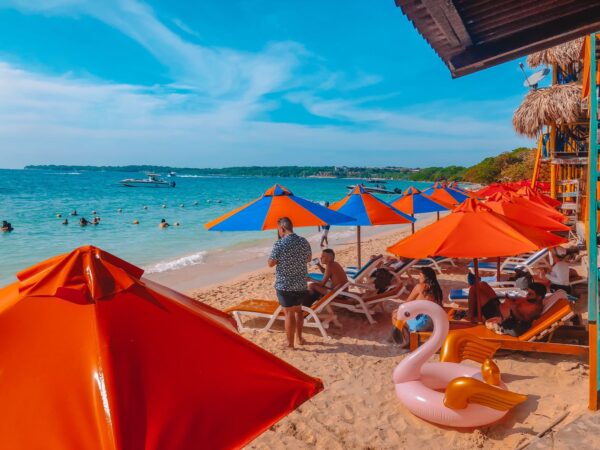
(558, 118)
(472, 35)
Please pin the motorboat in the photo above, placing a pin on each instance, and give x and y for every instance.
(374, 190)
(172, 174)
(153, 181)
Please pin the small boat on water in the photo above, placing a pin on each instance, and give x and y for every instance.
(375, 190)
(153, 181)
(172, 174)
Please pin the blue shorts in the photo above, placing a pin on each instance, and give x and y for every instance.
(421, 323)
(288, 299)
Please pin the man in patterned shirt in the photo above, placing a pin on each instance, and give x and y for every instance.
(290, 255)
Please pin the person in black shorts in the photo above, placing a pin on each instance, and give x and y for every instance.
(290, 256)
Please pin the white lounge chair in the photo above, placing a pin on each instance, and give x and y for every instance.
(434, 263)
(314, 317)
(540, 258)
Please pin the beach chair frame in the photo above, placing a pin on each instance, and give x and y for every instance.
(533, 344)
(434, 263)
(528, 260)
(314, 316)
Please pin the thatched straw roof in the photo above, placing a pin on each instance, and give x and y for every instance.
(558, 104)
(562, 54)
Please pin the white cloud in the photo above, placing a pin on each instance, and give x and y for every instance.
(209, 115)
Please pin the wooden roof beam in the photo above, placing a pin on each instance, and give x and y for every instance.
(524, 42)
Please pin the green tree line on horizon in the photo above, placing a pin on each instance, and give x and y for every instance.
(513, 165)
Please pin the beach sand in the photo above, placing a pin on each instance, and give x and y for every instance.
(359, 409)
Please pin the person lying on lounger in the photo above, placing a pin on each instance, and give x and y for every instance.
(334, 276)
(485, 293)
(515, 315)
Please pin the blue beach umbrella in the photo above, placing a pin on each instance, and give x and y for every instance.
(277, 202)
(445, 194)
(413, 201)
(368, 210)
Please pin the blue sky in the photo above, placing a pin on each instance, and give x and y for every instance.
(257, 82)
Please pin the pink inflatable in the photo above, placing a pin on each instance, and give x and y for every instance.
(446, 393)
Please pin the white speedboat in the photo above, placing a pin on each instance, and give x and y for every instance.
(153, 181)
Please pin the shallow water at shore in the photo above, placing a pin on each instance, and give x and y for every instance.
(31, 200)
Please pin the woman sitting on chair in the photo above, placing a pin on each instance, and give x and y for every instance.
(427, 288)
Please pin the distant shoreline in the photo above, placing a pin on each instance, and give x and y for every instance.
(375, 174)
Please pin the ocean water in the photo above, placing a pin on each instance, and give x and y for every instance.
(31, 200)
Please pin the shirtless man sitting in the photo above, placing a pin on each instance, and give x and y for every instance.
(515, 316)
(334, 276)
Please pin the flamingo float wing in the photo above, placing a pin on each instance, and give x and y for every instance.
(463, 391)
(460, 346)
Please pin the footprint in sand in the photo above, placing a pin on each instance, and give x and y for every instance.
(348, 414)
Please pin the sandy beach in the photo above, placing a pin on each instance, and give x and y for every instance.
(358, 408)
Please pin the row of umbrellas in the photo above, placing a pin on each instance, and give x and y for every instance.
(513, 219)
(358, 208)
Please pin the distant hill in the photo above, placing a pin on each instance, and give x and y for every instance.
(508, 166)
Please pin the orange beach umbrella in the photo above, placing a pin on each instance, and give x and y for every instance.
(474, 231)
(533, 206)
(92, 355)
(526, 216)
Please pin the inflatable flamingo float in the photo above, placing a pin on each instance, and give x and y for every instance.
(449, 393)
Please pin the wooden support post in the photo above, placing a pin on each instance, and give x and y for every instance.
(592, 239)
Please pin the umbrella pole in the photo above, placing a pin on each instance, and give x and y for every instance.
(477, 299)
(412, 225)
(358, 245)
(498, 269)
(438, 215)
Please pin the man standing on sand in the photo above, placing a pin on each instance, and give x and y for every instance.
(290, 255)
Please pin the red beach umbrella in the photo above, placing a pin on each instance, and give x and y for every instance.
(95, 356)
(494, 188)
(538, 197)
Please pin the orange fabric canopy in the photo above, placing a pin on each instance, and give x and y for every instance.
(474, 231)
(92, 356)
(537, 197)
(525, 215)
(532, 206)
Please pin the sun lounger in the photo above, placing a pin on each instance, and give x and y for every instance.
(353, 273)
(314, 317)
(500, 287)
(508, 265)
(557, 311)
(365, 302)
(434, 263)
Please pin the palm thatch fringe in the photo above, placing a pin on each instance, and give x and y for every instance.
(556, 105)
(562, 54)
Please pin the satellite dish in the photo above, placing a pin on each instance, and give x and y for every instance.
(533, 80)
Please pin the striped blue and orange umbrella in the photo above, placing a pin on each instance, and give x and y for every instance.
(277, 202)
(413, 201)
(445, 194)
(368, 210)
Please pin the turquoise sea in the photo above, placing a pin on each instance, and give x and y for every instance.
(31, 200)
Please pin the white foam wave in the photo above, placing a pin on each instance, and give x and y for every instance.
(184, 261)
(68, 173)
